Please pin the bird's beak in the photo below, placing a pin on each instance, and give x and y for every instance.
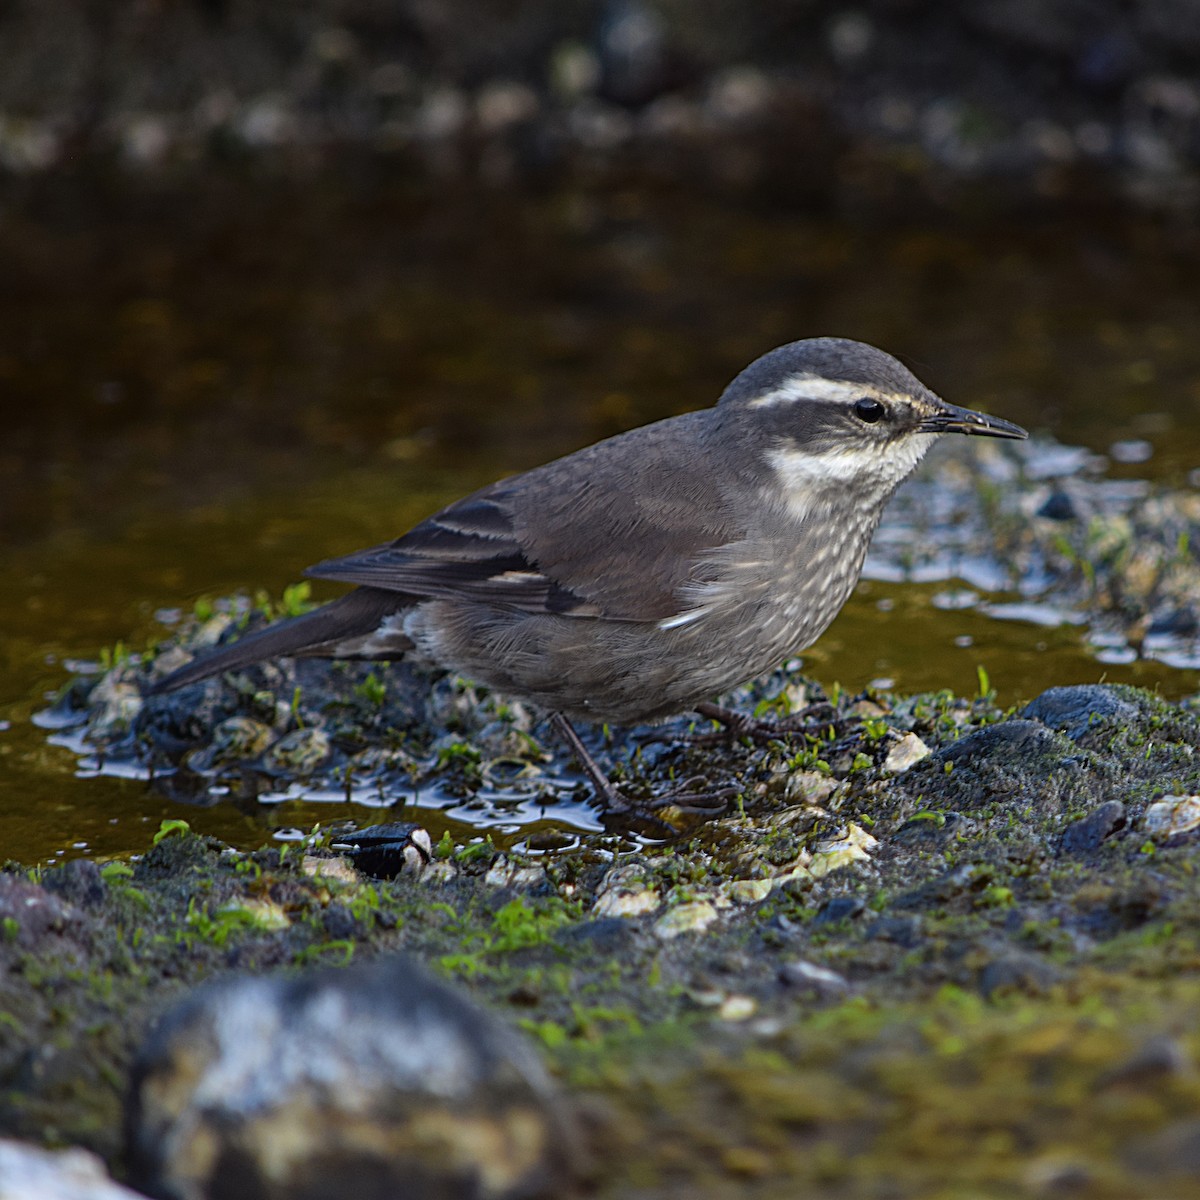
(951, 419)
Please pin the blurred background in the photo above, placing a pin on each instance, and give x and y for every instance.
(278, 280)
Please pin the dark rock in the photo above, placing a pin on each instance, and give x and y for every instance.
(1086, 834)
(376, 1081)
(902, 931)
(1018, 973)
(837, 909)
(340, 923)
(1160, 1058)
(606, 933)
(1075, 710)
(1058, 506)
(78, 882)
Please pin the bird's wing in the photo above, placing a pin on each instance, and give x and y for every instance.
(468, 549)
(615, 531)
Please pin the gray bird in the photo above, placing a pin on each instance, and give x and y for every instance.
(639, 577)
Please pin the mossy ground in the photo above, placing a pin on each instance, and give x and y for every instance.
(1011, 983)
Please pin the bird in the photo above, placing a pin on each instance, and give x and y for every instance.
(640, 577)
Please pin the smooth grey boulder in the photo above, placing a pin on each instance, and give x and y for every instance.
(367, 1082)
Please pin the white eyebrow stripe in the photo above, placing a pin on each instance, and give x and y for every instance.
(808, 386)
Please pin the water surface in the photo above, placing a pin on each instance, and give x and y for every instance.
(207, 389)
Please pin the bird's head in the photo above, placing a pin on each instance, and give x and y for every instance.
(830, 414)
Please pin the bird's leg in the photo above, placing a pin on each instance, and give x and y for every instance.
(612, 802)
(610, 799)
(736, 724)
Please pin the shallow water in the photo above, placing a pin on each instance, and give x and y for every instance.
(206, 390)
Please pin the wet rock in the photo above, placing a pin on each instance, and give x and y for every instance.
(383, 851)
(298, 753)
(375, 1080)
(1075, 710)
(1085, 835)
(33, 1173)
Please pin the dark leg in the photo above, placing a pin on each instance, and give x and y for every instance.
(736, 724)
(611, 800)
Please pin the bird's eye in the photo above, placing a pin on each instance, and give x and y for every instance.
(868, 410)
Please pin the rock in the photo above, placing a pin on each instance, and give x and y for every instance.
(1086, 834)
(907, 751)
(1172, 816)
(691, 917)
(1159, 1059)
(1017, 973)
(816, 980)
(32, 1173)
(837, 909)
(1075, 710)
(1173, 1151)
(625, 893)
(77, 882)
(376, 1081)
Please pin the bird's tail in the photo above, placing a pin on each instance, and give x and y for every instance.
(329, 631)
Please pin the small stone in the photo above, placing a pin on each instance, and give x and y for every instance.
(837, 909)
(625, 893)
(749, 891)
(908, 751)
(376, 1073)
(692, 917)
(1018, 973)
(1172, 816)
(298, 753)
(1160, 1058)
(852, 846)
(34, 1173)
(1086, 834)
(329, 868)
(809, 977)
(737, 1008)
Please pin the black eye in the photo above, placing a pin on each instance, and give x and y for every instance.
(868, 410)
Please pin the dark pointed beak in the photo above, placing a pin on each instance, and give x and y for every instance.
(951, 419)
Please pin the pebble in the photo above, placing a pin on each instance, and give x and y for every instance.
(1172, 816)
(33, 1173)
(378, 1073)
(690, 917)
(625, 893)
(809, 977)
(907, 752)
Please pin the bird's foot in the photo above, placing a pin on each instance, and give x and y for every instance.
(814, 719)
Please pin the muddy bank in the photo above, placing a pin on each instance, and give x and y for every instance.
(847, 103)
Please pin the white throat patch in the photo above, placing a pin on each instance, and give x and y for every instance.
(873, 470)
